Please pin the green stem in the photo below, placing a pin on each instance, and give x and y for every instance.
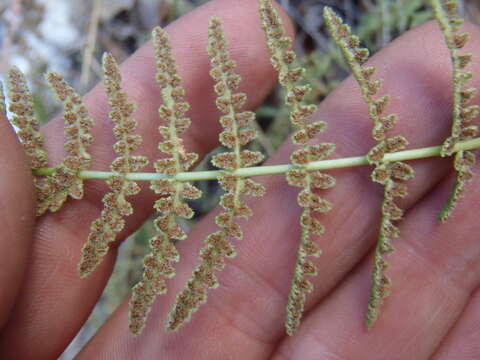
(421, 153)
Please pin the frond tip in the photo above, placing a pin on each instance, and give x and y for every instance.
(21, 107)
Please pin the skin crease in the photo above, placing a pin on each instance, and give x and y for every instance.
(431, 311)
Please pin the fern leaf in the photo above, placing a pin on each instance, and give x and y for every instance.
(104, 230)
(21, 106)
(445, 12)
(158, 265)
(386, 173)
(235, 134)
(64, 181)
(283, 58)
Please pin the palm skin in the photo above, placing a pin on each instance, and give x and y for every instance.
(434, 309)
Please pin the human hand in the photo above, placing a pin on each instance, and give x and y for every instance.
(434, 304)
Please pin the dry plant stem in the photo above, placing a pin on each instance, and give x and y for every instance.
(445, 12)
(406, 155)
(385, 6)
(90, 46)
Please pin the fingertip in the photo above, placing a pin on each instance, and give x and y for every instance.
(16, 171)
(17, 215)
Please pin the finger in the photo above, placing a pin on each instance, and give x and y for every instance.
(53, 286)
(434, 273)
(463, 342)
(251, 300)
(16, 216)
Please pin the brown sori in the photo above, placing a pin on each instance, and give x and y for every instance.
(173, 193)
(235, 134)
(103, 231)
(289, 76)
(389, 174)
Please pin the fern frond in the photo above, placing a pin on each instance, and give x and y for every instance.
(389, 174)
(235, 134)
(283, 58)
(158, 265)
(21, 107)
(64, 181)
(104, 230)
(445, 12)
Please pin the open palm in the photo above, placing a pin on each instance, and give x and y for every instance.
(434, 309)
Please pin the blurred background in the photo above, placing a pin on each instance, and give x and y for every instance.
(70, 36)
